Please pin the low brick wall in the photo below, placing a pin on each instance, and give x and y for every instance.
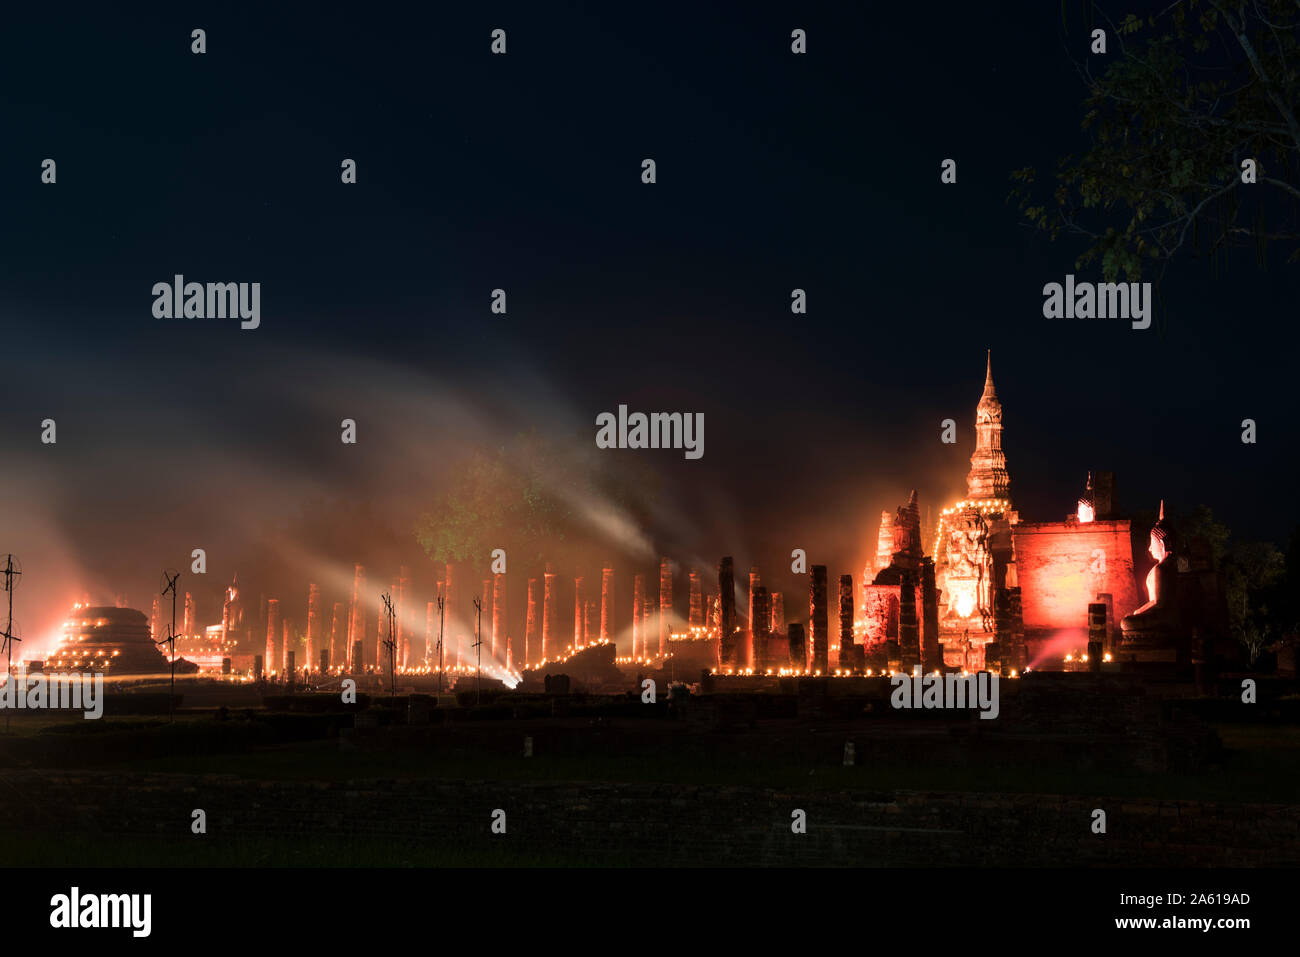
(644, 824)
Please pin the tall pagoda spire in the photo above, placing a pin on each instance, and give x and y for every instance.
(988, 476)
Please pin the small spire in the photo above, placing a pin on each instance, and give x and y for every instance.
(911, 499)
(989, 390)
(1162, 510)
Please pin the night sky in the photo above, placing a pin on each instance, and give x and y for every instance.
(522, 171)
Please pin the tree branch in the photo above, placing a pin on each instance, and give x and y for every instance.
(1239, 31)
(1281, 185)
(1191, 217)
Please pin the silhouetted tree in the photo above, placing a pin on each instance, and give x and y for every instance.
(1183, 98)
(1254, 574)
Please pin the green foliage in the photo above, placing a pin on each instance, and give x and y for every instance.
(1200, 523)
(495, 500)
(1186, 97)
(1254, 574)
(526, 498)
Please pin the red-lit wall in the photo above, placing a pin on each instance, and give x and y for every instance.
(880, 612)
(1059, 572)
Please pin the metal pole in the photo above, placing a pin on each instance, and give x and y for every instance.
(391, 645)
(442, 620)
(9, 628)
(478, 649)
(171, 699)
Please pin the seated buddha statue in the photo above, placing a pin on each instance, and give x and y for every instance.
(1156, 621)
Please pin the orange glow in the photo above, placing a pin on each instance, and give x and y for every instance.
(965, 603)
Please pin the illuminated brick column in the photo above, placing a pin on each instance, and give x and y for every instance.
(155, 621)
(798, 653)
(415, 636)
(607, 605)
(909, 639)
(579, 619)
(372, 628)
(747, 655)
(485, 596)
(403, 632)
(1096, 635)
(550, 614)
(1108, 600)
(530, 624)
(452, 598)
(285, 664)
(314, 623)
(274, 641)
(695, 618)
(993, 651)
(357, 617)
(932, 649)
(818, 622)
(638, 610)
(1017, 652)
(778, 613)
(727, 613)
(847, 655)
(498, 615)
(762, 605)
(188, 627)
(665, 603)
(647, 624)
(339, 636)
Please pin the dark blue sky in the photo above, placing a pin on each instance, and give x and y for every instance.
(476, 171)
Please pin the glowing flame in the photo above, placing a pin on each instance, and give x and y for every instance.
(965, 604)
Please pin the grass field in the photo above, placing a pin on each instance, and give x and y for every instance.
(1260, 765)
(29, 849)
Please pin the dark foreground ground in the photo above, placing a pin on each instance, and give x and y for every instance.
(607, 784)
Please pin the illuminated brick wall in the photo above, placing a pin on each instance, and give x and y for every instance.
(880, 611)
(1062, 566)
